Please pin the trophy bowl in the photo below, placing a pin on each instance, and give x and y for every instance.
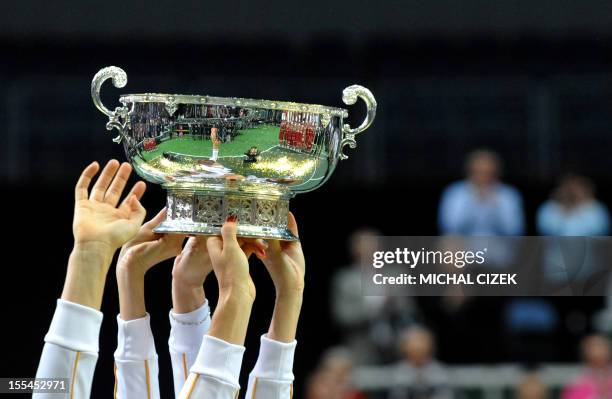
(219, 156)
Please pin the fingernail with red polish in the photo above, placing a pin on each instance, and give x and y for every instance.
(231, 218)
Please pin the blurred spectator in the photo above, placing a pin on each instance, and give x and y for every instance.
(596, 380)
(369, 324)
(419, 375)
(331, 380)
(573, 210)
(531, 387)
(481, 204)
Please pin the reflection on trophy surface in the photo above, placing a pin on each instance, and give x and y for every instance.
(220, 156)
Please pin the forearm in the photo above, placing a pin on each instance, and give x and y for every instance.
(283, 326)
(86, 274)
(130, 283)
(186, 298)
(231, 318)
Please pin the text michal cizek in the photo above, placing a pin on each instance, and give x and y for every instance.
(446, 279)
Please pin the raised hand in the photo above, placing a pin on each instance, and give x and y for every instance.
(137, 256)
(99, 228)
(191, 267)
(147, 248)
(97, 218)
(285, 263)
(229, 261)
(236, 288)
(284, 260)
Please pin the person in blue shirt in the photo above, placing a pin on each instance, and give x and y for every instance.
(573, 210)
(481, 204)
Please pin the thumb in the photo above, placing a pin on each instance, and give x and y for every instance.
(274, 248)
(163, 248)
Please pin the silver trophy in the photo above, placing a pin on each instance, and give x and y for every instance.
(220, 156)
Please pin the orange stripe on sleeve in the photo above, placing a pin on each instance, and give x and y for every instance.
(115, 389)
(254, 388)
(148, 379)
(74, 371)
(193, 384)
(184, 357)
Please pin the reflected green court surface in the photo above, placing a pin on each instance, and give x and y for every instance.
(263, 137)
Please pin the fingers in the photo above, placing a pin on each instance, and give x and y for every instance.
(251, 247)
(274, 247)
(261, 246)
(138, 190)
(195, 253)
(292, 225)
(157, 249)
(105, 179)
(137, 211)
(80, 191)
(197, 245)
(228, 232)
(145, 233)
(157, 219)
(115, 190)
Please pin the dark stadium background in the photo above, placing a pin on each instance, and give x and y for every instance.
(531, 80)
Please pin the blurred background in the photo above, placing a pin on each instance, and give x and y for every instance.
(528, 82)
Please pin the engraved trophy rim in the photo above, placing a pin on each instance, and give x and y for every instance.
(232, 101)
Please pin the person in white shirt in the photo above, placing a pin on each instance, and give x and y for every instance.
(212, 356)
(219, 358)
(100, 226)
(136, 366)
(217, 365)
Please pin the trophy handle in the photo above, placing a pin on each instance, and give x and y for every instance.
(349, 96)
(117, 119)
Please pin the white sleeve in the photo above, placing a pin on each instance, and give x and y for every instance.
(215, 372)
(136, 368)
(71, 349)
(186, 333)
(272, 376)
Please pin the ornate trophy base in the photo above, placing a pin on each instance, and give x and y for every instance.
(204, 212)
